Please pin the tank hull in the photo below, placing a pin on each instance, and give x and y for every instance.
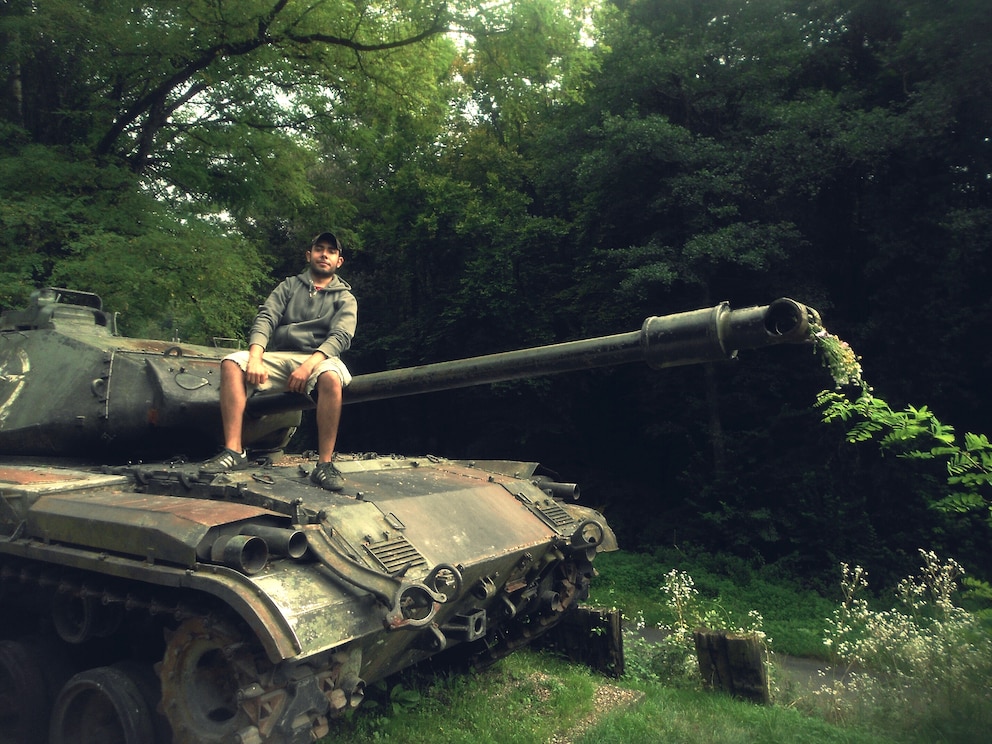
(418, 556)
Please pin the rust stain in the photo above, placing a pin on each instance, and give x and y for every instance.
(23, 477)
(199, 511)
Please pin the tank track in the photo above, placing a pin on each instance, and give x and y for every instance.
(188, 673)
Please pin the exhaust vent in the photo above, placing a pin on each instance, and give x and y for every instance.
(554, 514)
(395, 553)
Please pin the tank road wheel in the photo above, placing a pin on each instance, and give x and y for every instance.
(101, 706)
(151, 692)
(25, 697)
(78, 619)
(204, 668)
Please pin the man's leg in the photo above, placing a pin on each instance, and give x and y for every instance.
(328, 414)
(233, 399)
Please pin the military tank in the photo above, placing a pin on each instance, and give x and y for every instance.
(145, 602)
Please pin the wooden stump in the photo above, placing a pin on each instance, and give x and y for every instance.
(590, 635)
(733, 663)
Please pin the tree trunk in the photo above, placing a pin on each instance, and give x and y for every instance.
(717, 441)
(733, 663)
(589, 635)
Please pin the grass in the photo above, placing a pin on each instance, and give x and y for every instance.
(793, 617)
(537, 698)
(693, 717)
(532, 698)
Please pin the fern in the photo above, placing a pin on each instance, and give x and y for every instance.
(913, 433)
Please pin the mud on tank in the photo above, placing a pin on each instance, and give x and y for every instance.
(147, 603)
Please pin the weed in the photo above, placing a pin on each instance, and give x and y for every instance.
(920, 667)
(671, 656)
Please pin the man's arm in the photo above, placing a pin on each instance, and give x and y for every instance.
(298, 380)
(270, 315)
(255, 373)
(342, 330)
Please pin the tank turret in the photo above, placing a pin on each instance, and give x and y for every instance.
(70, 386)
(148, 603)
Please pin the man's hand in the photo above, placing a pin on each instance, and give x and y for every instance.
(255, 373)
(298, 380)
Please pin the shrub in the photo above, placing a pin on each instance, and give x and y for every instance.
(671, 658)
(921, 667)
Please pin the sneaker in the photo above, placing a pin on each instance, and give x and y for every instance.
(226, 460)
(327, 476)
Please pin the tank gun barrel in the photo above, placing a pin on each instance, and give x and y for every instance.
(265, 605)
(693, 337)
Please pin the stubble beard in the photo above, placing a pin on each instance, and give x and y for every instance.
(321, 273)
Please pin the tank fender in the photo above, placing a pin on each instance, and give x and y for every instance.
(588, 516)
(409, 604)
(159, 528)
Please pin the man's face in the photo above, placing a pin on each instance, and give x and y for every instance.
(324, 259)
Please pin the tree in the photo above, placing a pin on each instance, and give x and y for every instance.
(203, 113)
(833, 152)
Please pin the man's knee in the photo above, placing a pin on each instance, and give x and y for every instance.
(231, 371)
(328, 383)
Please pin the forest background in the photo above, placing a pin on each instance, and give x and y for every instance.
(509, 174)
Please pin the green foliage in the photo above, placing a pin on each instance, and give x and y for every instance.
(388, 701)
(521, 60)
(671, 657)
(917, 672)
(222, 125)
(73, 222)
(921, 667)
(913, 433)
(142, 146)
(725, 592)
(977, 596)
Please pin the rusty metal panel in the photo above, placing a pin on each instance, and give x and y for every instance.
(165, 528)
(22, 485)
(322, 613)
(453, 514)
(29, 479)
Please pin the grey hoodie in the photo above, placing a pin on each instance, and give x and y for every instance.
(299, 317)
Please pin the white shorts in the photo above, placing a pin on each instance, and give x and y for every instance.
(281, 364)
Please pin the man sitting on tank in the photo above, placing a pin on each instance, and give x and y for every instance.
(298, 335)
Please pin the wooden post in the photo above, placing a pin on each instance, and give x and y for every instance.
(733, 663)
(590, 635)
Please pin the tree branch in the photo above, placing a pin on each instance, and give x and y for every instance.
(154, 103)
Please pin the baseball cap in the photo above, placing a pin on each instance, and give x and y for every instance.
(326, 237)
